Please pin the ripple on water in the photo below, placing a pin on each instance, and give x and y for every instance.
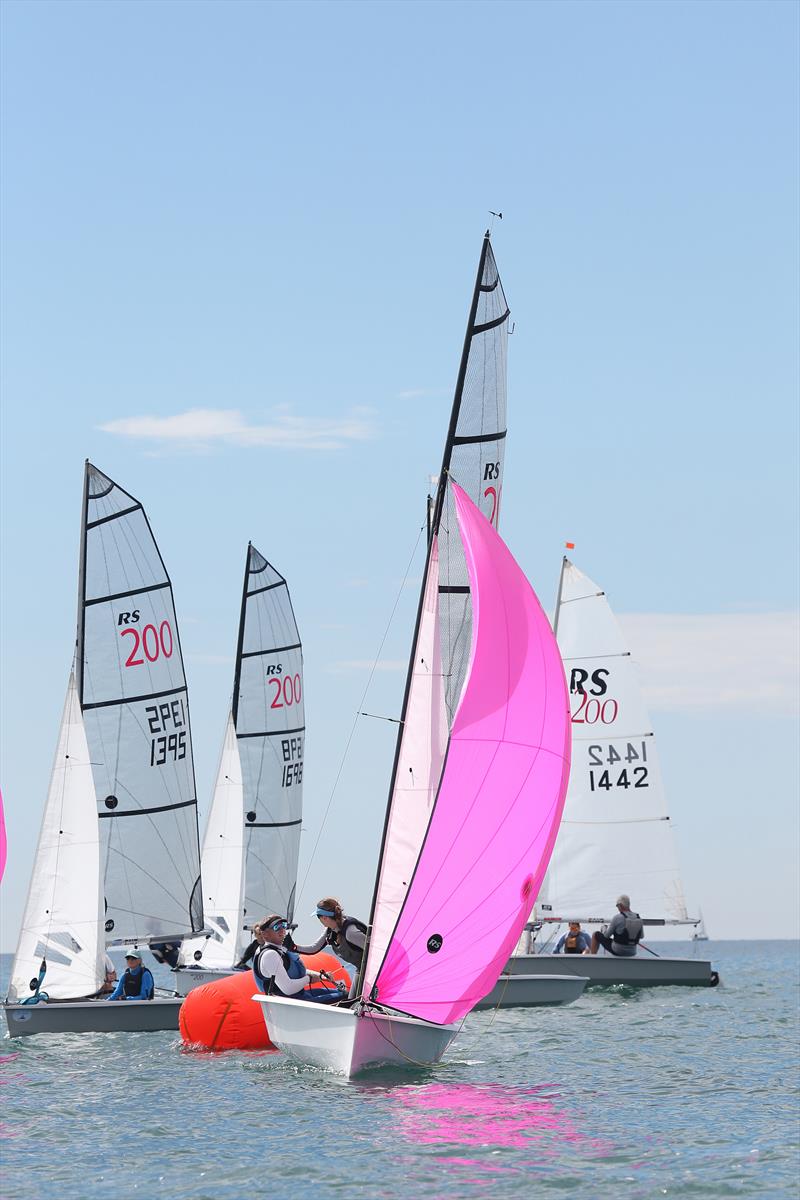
(668, 1092)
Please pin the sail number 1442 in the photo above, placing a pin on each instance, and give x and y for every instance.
(618, 768)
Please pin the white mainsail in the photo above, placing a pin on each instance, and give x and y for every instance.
(62, 920)
(615, 835)
(252, 841)
(133, 696)
(473, 457)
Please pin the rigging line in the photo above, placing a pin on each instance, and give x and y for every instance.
(422, 529)
(499, 1002)
(391, 1042)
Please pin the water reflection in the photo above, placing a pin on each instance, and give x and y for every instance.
(488, 1115)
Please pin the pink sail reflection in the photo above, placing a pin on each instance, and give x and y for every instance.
(500, 800)
(476, 1114)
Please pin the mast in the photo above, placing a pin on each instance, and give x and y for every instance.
(237, 674)
(434, 518)
(451, 432)
(82, 582)
(564, 564)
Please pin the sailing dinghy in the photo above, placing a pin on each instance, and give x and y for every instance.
(481, 762)
(252, 839)
(616, 835)
(118, 858)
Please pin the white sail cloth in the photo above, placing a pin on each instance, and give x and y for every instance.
(615, 834)
(62, 920)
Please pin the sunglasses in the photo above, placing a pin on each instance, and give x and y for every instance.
(277, 925)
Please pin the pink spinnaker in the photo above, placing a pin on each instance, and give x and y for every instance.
(500, 800)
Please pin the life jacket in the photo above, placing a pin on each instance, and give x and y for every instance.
(132, 984)
(633, 932)
(571, 944)
(292, 963)
(340, 945)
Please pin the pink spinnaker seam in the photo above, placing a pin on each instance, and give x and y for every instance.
(500, 800)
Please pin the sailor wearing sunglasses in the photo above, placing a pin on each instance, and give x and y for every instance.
(278, 971)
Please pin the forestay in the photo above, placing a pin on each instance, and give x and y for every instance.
(615, 835)
(132, 691)
(62, 919)
(496, 814)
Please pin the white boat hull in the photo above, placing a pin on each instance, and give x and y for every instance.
(187, 979)
(340, 1041)
(605, 970)
(533, 991)
(93, 1016)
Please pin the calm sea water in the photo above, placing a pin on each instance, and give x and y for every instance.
(667, 1092)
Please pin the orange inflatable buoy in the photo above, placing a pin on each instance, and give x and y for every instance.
(223, 1015)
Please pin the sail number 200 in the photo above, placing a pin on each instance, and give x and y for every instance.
(151, 641)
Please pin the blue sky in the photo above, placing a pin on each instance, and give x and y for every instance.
(238, 245)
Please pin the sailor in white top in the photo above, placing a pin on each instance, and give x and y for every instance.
(278, 970)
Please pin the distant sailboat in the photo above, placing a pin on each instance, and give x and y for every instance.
(481, 762)
(118, 859)
(252, 839)
(700, 934)
(616, 835)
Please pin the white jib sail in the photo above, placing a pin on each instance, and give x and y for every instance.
(419, 769)
(222, 867)
(62, 921)
(135, 708)
(615, 835)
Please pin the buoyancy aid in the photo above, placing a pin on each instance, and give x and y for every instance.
(342, 947)
(632, 934)
(292, 964)
(132, 984)
(572, 944)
